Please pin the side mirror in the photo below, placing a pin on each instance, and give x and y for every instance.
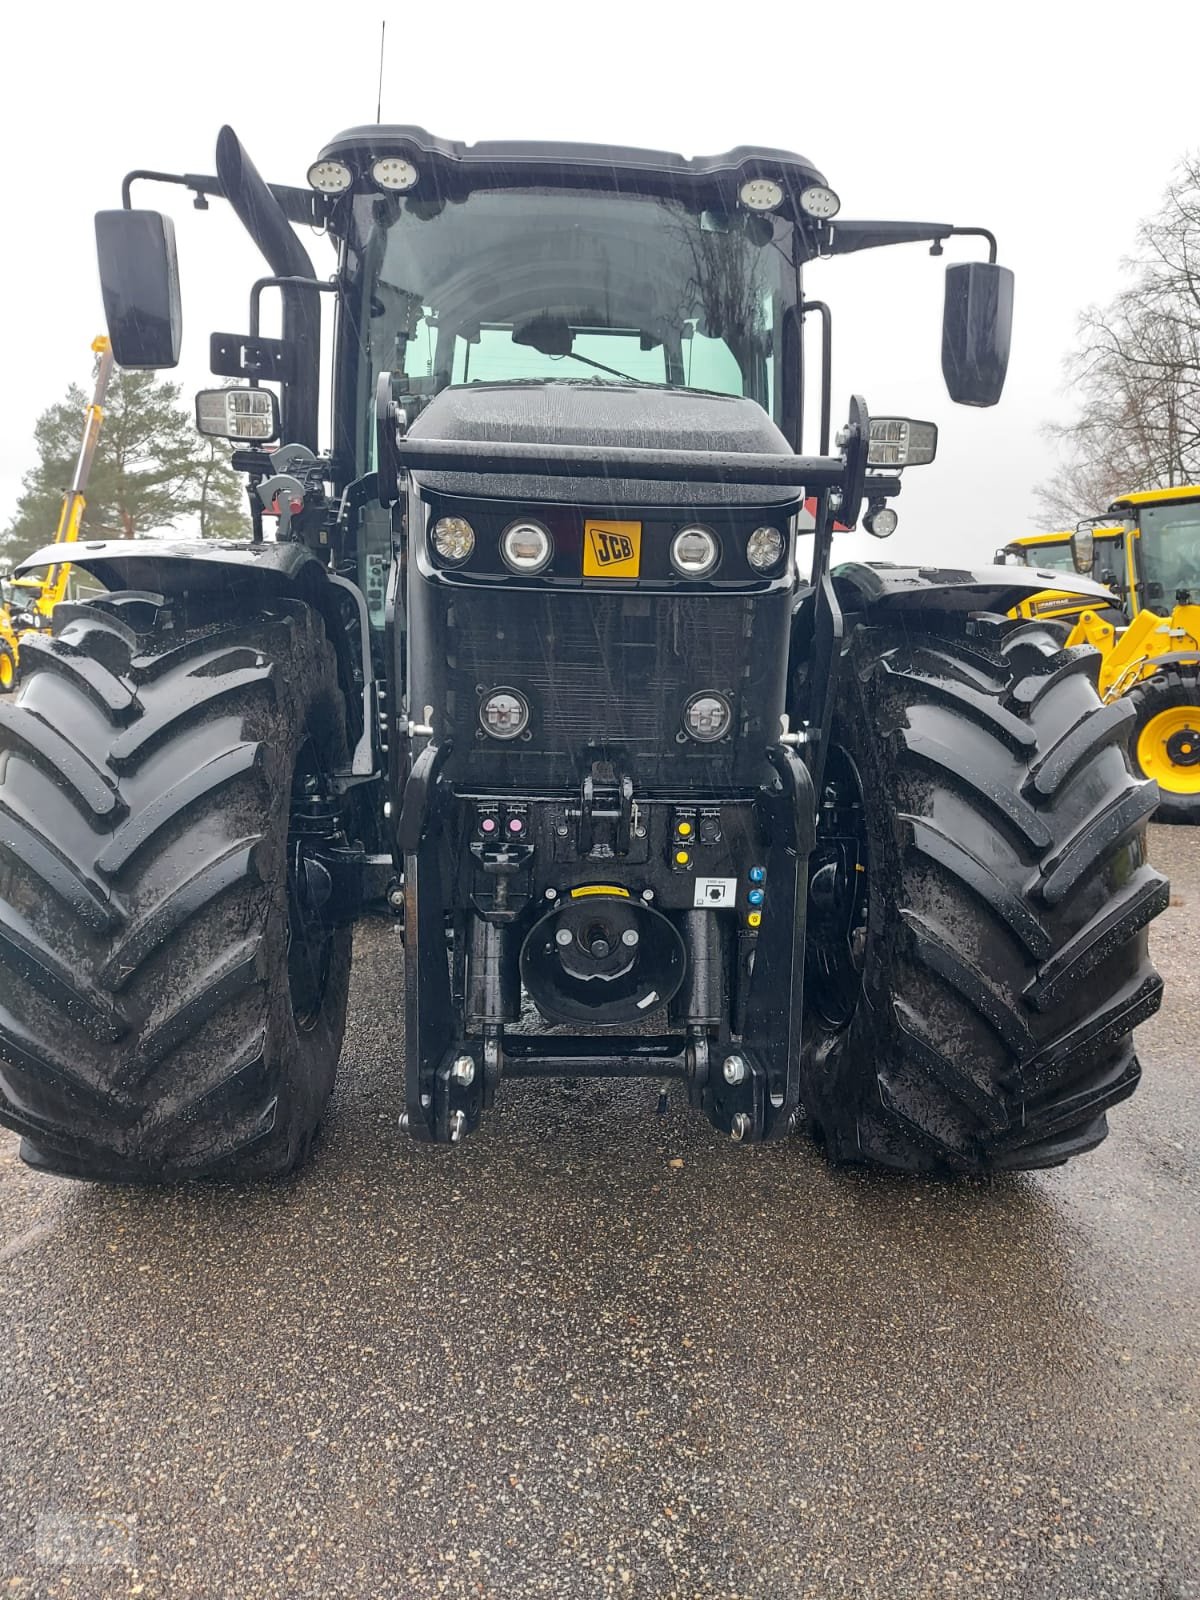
(1083, 551)
(139, 279)
(976, 331)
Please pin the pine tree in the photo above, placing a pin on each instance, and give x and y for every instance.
(218, 494)
(152, 471)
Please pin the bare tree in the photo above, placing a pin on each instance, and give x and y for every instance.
(1135, 375)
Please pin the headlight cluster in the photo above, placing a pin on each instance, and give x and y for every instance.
(696, 552)
(527, 547)
(504, 714)
(707, 717)
(454, 540)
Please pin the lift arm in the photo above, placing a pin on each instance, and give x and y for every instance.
(70, 518)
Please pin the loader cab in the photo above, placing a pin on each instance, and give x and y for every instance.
(1164, 547)
(1048, 552)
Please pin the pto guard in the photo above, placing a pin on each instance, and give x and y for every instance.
(602, 960)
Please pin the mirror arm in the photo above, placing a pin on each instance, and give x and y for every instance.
(304, 206)
(975, 233)
(201, 187)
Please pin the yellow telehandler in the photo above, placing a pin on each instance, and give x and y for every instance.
(1146, 549)
(28, 602)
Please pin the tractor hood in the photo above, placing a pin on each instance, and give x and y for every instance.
(600, 414)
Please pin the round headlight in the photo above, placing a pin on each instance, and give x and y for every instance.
(761, 194)
(453, 539)
(330, 177)
(695, 552)
(504, 714)
(882, 522)
(818, 201)
(707, 717)
(526, 547)
(394, 172)
(764, 549)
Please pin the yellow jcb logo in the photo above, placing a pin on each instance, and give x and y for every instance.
(612, 549)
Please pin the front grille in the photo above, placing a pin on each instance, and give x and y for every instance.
(611, 672)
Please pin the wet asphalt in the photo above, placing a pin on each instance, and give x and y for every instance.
(602, 1351)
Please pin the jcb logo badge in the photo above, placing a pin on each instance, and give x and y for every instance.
(612, 549)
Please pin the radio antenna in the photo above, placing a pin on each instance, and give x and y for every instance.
(379, 100)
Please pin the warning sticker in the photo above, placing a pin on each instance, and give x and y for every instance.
(716, 892)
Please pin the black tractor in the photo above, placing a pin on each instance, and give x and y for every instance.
(537, 647)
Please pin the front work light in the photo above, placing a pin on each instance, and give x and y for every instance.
(395, 173)
(764, 549)
(453, 539)
(330, 177)
(526, 547)
(695, 552)
(881, 522)
(820, 202)
(504, 714)
(901, 442)
(761, 194)
(707, 717)
(237, 414)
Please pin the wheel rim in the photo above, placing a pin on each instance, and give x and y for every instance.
(836, 928)
(7, 674)
(309, 937)
(1168, 749)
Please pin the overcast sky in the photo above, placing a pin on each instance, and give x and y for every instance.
(1048, 123)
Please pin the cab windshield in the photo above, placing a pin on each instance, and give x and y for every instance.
(1048, 557)
(530, 285)
(1170, 551)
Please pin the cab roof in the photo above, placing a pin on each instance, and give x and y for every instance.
(452, 166)
(1152, 497)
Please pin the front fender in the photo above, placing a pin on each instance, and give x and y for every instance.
(258, 571)
(170, 565)
(884, 589)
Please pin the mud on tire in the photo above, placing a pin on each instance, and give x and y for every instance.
(150, 1025)
(976, 1014)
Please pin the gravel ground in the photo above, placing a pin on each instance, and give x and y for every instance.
(600, 1351)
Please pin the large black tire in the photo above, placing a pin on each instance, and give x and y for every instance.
(1166, 739)
(168, 1007)
(970, 1003)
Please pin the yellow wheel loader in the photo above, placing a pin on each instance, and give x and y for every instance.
(1146, 550)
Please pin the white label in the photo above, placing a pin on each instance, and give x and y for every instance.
(716, 892)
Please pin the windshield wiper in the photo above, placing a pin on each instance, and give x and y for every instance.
(638, 383)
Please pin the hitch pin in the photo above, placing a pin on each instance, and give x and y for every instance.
(800, 736)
